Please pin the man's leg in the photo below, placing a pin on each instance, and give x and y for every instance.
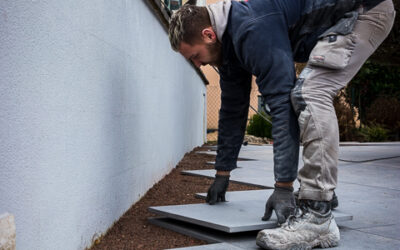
(312, 98)
(318, 122)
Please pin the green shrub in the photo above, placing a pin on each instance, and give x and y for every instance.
(374, 133)
(259, 127)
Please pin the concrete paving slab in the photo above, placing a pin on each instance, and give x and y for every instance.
(369, 189)
(207, 152)
(212, 148)
(218, 246)
(360, 144)
(262, 182)
(347, 151)
(262, 195)
(367, 153)
(350, 239)
(207, 234)
(230, 217)
(260, 174)
(374, 175)
(265, 165)
(356, 152)
(249, 176)
(256, 164)
(353, 239)
(370, 206)
(390, 231)
(393, 162)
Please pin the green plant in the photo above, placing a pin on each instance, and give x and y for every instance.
(259, 127)
(374, 133)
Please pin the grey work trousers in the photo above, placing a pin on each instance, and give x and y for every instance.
(333, 62)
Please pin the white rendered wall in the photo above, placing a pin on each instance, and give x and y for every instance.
(94, 109)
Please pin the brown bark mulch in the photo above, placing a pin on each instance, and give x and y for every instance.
(133, 231)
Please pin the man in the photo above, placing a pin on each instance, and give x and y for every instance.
(264, 38)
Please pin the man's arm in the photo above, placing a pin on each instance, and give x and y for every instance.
(264, 47)
(235, 97)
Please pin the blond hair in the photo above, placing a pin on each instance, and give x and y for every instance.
(186, 25)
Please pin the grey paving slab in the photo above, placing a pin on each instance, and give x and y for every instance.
(259, 181)
(390, 231)
(218, 246)
(262, 195)
(257, 164)
(213, 148)
(369, 190)
(350, 239)
(250, 176)
(353, 239)
(393, 162)
(233, 216)
(260, 173)
(370, 206)
(376, 175)
(230, 217)
(365, 153)
(256, 148)
(207, 152)
(360, 144)
(207, 234)
(348, 152)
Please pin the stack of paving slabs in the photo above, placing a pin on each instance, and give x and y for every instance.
(368, 188)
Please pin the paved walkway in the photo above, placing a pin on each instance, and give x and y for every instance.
(368, 190)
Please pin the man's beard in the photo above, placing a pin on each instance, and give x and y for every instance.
(215, 53)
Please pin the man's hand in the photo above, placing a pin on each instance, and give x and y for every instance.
(217, 190)
(282, 201)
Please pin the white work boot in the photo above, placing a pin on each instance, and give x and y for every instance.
(312, 226)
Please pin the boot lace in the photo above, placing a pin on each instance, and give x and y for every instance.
(299, 212)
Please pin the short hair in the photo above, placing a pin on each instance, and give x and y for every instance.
(186, 25)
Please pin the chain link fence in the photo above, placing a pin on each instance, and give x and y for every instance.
(214, 105)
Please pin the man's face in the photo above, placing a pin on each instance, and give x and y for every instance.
(202, 53)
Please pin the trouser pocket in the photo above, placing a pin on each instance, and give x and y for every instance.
(333, 51)
(308, 128)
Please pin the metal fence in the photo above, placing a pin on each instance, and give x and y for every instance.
(214, 105)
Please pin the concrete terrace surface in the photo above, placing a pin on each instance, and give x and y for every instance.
(368, 191)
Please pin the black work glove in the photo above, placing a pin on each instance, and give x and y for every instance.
(217, 190)
(282, 201)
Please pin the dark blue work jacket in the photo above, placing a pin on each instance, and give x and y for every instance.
(264, 38)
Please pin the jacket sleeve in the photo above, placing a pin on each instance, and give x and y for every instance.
(263, 46)
(235, 97)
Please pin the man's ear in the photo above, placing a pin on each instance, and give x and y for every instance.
(208, 35)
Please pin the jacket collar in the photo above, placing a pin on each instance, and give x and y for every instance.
(219, 13)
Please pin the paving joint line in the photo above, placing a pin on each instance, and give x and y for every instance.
(364, 185)
(386, 237)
